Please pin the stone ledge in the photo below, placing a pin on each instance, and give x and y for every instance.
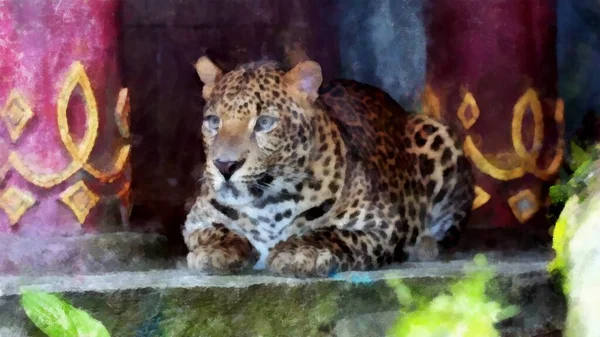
(90, 253)
(182, 303)
(185, 278)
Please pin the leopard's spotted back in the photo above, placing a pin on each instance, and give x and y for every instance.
(412, 161)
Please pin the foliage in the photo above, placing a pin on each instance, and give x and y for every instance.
(575, 241)
(57, 318)
(581, 162)
(464, 311)
(584, 163)
(559, 241)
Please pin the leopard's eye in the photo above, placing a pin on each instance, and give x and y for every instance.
(212, 122)
(265, 123)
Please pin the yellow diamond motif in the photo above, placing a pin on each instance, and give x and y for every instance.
(16, 113)
(468, 104)
(4, 170)
(524, 205)
(15, 203)
(481, 197)
(80, 200)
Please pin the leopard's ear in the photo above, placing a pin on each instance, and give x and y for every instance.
(304, 80)
(209, 75)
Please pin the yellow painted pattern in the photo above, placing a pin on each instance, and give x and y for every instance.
(15, 202)
(4, 170)
(80, 153)
(528, 100)
(481, 197)
(77, 77)
(470, 104)
(16, 113)
(45, 180)
(122, 112)
(526, 159)
(524, 205)
(80, 200)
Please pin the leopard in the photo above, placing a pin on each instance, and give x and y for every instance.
(308, 179)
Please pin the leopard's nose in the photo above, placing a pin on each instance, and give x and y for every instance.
(228, 168)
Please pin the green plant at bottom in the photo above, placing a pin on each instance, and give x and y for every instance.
(57, 318)
(573, 195)
(463, 311)
(581, 164)
(575, 242)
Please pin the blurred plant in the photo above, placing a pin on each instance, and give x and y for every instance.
(579, 163)
(584, 165)
(464, 311)
(575, 241)
(57, 318)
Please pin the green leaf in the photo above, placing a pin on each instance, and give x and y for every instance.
(403, 292)
(464, 310)
(578, 156)
(57, 318)
(559, 193)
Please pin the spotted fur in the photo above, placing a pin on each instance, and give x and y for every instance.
(344, 178)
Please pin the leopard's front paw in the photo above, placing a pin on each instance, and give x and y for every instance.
(219, 251)
(214, 259)
(426, 249)
(290, 259)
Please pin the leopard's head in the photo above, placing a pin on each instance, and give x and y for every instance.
(258, 128)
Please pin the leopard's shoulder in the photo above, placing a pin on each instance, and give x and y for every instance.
(363, 113)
